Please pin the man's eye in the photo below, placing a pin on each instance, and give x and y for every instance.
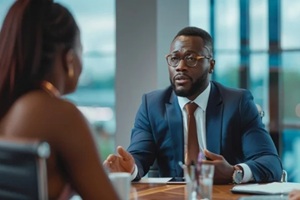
(174, 59)
(190, 58)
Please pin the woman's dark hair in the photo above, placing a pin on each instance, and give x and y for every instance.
(32, 32)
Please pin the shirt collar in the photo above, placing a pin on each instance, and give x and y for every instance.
(200, 100)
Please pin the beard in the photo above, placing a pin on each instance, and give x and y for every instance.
(196, 87)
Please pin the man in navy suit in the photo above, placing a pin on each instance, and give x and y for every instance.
(229, 128)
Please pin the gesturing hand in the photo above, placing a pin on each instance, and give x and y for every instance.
(123, 162)
(223, 170)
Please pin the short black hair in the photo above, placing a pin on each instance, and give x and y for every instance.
(195, 31)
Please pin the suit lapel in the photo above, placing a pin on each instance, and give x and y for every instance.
(214, 114)
(174, 117)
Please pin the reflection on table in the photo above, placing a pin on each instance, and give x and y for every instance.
(143, 191)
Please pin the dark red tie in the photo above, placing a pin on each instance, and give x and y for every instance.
(192, 138)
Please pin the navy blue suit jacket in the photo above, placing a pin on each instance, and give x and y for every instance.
(234, 129)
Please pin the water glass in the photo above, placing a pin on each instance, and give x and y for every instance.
(122, 183)
(206, 177)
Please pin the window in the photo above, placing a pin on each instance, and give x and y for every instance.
(272, 56)
(258, 45)
(95, 93)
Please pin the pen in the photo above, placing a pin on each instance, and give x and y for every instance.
(200, 158)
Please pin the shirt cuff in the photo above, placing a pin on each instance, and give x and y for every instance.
(135, 172)
(247, 173)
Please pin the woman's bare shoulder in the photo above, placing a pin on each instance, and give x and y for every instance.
(37, 111)
(40, 102)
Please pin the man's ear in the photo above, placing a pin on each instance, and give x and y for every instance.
(212, 65)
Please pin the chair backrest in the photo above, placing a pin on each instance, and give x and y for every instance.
(23, 172)
(284, 176)
(261, 112)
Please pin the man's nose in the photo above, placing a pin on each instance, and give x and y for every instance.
(181, 65)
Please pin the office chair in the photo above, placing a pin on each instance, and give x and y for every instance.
(284, 176)
(261, 112)
(23, 173)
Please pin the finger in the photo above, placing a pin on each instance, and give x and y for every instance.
(111, 158)
(212, 156)
(209, 162)
(120, 149)
(106, 164)
(123, 153)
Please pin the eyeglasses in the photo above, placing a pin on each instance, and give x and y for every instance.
(189, 60)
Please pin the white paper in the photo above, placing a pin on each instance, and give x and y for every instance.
(154, 180)
(267, 188)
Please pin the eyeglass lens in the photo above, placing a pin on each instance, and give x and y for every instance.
(189, 60)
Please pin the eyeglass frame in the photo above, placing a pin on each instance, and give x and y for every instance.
(198, 57)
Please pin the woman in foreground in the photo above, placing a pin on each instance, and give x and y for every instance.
(40, 60)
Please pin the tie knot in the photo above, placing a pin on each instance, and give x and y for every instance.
(190, 108)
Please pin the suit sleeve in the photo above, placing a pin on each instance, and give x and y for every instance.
(142, 146)
(258, 146)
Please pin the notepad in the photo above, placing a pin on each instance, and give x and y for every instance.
(265, 197)
(267, 188)
(164, 180)
(154, 180)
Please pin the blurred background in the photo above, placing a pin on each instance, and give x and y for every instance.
(256, 46)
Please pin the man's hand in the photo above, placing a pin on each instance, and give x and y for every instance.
(123, 162)
(223, 170)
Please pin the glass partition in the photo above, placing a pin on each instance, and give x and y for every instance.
(227, 43)
(290, 24)
(258, 19)
(290, 44)
(259, 76)
(95, 95)
(227, 68)
(199, 14)
(227, 22)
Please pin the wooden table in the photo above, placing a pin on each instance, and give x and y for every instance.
(143, 191)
